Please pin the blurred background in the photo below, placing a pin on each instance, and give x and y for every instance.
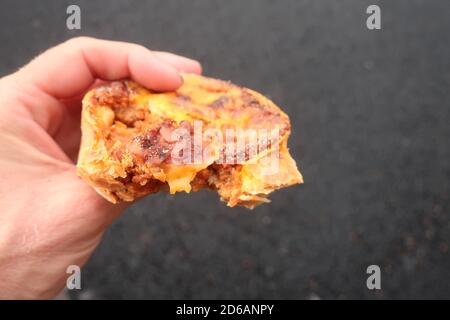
(370, 113)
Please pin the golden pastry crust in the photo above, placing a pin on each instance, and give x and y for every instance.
(130, 144)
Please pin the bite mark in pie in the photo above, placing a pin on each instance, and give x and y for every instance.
(207, 134)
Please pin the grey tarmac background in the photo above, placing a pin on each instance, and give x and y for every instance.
(370, 115)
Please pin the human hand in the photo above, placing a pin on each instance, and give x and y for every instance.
(49, 218)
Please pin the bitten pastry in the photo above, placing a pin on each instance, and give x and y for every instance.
(207, 134)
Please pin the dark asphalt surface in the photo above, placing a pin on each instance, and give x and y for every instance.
(370, 112)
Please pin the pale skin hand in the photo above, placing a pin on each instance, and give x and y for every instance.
(49, 218)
